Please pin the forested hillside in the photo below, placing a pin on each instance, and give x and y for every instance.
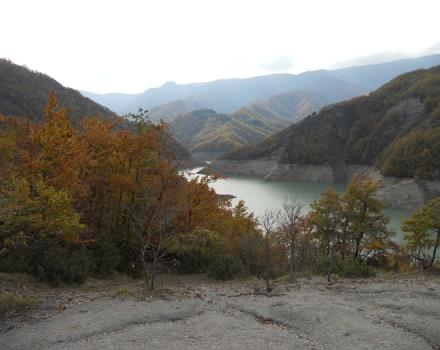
(101, 198)
(207, 131)
(24, 93)
(168, 111)
(396, 128)
(293, 106)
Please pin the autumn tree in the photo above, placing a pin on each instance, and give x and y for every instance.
(107, 194)
(269, 222)
(352, 225)
(422, 233)
(291, 229)
(366, 225)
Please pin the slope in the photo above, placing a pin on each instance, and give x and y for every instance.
(208, 131)
(24, 93)
(294, 105)
(396, 128)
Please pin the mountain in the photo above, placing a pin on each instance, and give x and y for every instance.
(117, 102)
(370, 77)
(395, 128)
(227, 95)
(208, 132)
(24, 93)
(294, 105)
(168, 111)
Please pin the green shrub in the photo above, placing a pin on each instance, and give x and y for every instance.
(106, 256)
(355, 268)
(68, 265)
(197, 250)
(225, 268)
(344, 267)
(322, 264)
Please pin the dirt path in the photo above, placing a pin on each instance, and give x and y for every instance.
(378, 314)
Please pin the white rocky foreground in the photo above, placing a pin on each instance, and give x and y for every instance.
(393, 314)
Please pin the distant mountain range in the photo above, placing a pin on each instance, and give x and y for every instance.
(227, 95)
(24, 93)
(395, 128)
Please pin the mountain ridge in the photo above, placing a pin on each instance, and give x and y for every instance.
(207, 131)
(384, 129)
(24, 92)
(227, 95)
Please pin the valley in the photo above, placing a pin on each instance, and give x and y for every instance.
(273, 196)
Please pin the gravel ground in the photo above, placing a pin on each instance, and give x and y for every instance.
(376, 314)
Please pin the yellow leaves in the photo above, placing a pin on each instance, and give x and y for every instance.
(104, 179)
(376, 245)
(35, 211)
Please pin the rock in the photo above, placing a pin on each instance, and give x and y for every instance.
(404, 193)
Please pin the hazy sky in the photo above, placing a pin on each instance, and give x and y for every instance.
(129, 46)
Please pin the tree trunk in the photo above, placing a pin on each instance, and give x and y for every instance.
(331, 265)
(268, 265)
(154, 271)
(292, 262)
(144, 264)
(437, 242)
(248, 252)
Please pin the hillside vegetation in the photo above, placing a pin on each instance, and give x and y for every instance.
(207, 131)
(168, 111)
(395, 128)
(24, 93)
(294, 105)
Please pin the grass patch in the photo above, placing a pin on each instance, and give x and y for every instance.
(12, 303)
(122, 292)
(18, 278)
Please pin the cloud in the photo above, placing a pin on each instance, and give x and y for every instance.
(378, 57)
(279, 64)
(386, 56)
(434, 49)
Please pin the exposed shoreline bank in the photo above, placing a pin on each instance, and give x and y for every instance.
(394, 192)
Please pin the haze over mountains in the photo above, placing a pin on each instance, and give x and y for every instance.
(227, 95)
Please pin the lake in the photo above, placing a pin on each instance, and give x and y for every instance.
(260, 195)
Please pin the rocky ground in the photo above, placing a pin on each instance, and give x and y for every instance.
(193, 313)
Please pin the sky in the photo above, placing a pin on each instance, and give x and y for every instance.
(128, 46)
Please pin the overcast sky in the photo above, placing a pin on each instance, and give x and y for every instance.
(129, 46)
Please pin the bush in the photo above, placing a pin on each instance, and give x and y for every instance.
(322, 264)
(196, 251)
(357, 269)
(107, 257)
(344, 267)
(225, 268)
(68, 265)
